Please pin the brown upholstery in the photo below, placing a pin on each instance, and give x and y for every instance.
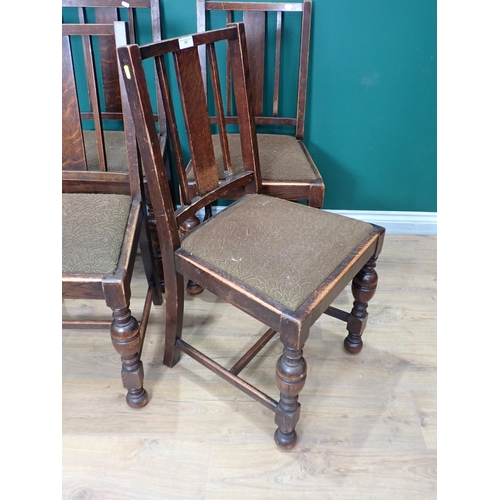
(93, 227)
(116, 152)
(281, 158)
(277, 259)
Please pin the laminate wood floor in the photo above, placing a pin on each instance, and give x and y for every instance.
(368, 422)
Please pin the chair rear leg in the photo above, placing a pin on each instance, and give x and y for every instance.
(316, 195)
(291, 371)
(174, 312)
(150, 266)
(363, 288)
(126, 340)
(192, 287)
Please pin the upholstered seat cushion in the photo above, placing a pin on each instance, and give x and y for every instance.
(93, 228)
(281, 158)
(114, 145)
(282, 249)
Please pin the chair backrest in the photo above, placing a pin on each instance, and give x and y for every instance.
(107, 12)
(77, 176)
(195, 120)
(268, 35)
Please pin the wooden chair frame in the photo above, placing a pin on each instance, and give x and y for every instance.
(127, 333)
(292, 326)
(254, 18)
(109, 11)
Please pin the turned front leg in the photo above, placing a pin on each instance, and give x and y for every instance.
(291, 371)
(363, 287)
(126, 340)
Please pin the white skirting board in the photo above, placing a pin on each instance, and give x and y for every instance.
(394, 222)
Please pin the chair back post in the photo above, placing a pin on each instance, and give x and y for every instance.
(137, 95)
(134, 165)
(238, 57)
(305, 40)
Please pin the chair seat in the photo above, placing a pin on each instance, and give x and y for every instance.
(93, 228)
(281, 158)
(116, 151)
(286, 260)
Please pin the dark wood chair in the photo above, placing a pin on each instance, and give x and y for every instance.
(103, 215)
(288, 171)
(131, 12)
(281, 262)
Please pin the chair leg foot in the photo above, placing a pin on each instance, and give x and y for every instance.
(285, 440)
(126, 340)
(193, 288)
(291, 371)
(363, 288)
(353, 344)
(137, 398)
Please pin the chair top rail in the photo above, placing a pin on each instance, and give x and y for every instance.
(156, 49)
(256, 6)
(107, 3)
(87, 29)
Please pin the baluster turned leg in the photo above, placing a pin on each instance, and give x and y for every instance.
(363, 288)
(192, 287)
(291, 371)
(126, 340)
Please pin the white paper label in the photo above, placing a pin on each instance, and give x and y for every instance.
(186, 42)
(126, 5)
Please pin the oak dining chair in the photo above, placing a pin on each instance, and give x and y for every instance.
(281, 262)
(104, 215)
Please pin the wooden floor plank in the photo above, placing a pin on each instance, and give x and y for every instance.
(324, 472)
(368, 422)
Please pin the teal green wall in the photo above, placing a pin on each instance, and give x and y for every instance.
(371, 109)
(372, 103)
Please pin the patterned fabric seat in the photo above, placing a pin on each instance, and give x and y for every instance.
(281, 158)
(276, 259)
(93, 227)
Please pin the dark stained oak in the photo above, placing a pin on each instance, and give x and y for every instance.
(113, 286)
(262, 43)
(220, 256)
(107, 12)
